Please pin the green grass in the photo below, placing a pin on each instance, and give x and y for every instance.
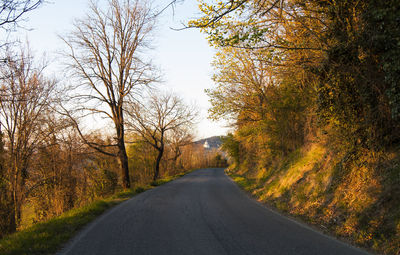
(245, 183)
(160, 181)
(47, 237)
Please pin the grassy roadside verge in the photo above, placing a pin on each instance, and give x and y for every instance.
(47, 237)
(251, 187)
(354, 200)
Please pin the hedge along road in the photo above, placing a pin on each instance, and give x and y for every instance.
(203, 212)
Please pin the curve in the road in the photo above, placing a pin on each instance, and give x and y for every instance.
(203, 212)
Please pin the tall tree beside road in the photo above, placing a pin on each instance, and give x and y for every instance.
(106, 56)
(25, 99)
(11, 13)
(162, 116)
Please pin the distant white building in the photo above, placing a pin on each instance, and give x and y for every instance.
(206, 145)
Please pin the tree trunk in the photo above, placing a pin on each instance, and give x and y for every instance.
(8, 224)
(13, 216)
(157, 170)
(13, 224)
(122, 156)
(123, 163)
(7, 211)
(178, 153)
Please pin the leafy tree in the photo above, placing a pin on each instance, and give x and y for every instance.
(343, 63)
(355, 92)
(381, 39)
(262, 102)
(231, 146)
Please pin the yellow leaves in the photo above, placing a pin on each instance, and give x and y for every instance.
(398, 227)
(348, 227)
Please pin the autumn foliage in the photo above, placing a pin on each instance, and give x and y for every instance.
(312, 91)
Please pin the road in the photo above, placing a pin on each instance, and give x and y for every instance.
(203, 212)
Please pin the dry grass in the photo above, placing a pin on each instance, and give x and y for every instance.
(356, 199)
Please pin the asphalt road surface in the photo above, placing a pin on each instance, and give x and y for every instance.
(203, 212)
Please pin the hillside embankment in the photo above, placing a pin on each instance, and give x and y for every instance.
(352, 195)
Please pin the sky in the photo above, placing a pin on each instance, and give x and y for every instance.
(184, 57)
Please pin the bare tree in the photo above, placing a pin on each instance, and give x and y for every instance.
(179, 138)
(25, 100)
(11, 11)
(161, 116)
(106, 56)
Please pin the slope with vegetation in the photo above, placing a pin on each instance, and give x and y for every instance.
(312, 91)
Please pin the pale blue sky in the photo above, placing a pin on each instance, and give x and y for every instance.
(184, 57)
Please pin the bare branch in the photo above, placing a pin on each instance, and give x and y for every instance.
(162, 116)
(105, 53)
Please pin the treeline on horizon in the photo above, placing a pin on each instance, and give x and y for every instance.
(55, 154)
(293, 73)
